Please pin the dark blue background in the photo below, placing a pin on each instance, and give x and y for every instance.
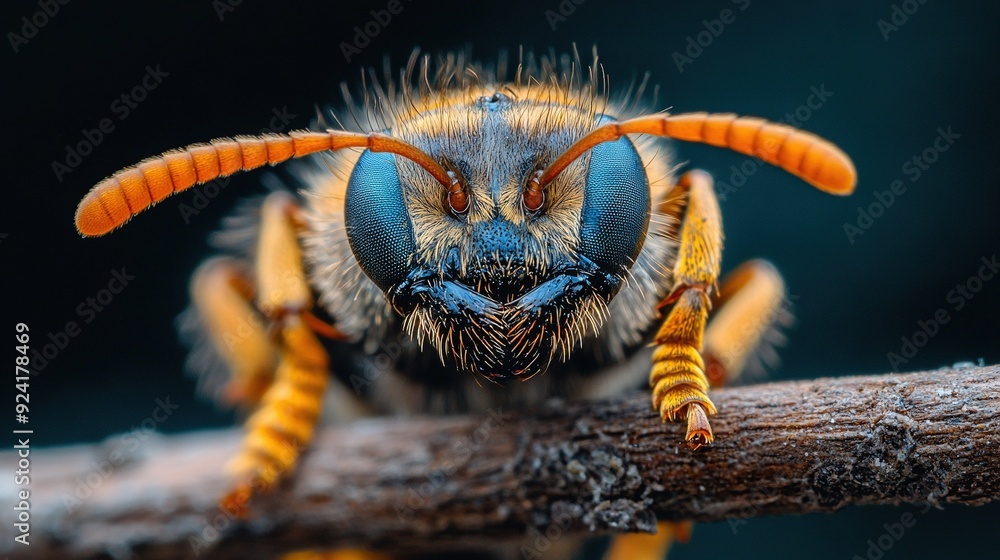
(854, 301)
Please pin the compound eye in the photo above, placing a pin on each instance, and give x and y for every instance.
(616, 205)
(378, 224)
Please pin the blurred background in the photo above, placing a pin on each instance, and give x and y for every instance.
(907, 88)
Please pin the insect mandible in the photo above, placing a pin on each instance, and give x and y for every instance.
(491, 230)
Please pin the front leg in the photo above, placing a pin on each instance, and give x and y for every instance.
(283, 425)
(677, 377)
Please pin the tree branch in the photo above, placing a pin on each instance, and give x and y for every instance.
(589, 468)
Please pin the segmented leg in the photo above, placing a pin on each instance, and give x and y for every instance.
(223, 294)
(677, 377)
(642, 546)
(746, 307)
(750, 303)
(283, 424)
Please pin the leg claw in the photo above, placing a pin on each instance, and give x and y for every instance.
(237, 500)
(699, 430)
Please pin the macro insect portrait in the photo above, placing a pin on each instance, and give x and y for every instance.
(495, 230)
(504, 300)
(500, 228)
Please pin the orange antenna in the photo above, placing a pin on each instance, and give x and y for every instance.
(126, 193)
(807, 156)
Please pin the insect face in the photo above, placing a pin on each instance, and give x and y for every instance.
(500, 224)
(512, 279)
(493, 221)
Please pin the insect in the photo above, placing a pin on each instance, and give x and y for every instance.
(511, 239)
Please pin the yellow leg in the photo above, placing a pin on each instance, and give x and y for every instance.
(750, 305)
(677, 377)
(642, 546)
(283, 426)
(223, 294)
(747, 306)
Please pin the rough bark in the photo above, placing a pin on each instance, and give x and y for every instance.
(589, 468)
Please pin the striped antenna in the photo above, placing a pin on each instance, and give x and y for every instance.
(807, 156)
(126, 193)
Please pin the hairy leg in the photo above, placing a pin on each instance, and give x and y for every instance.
(750, 306)
(677, 377)
(283, 424)
(222, 293)
(746, 308)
